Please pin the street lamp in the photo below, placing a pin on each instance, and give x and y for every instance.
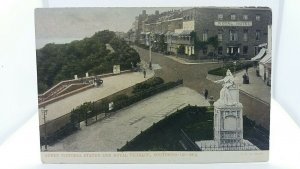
(44, 112)
(150, 57)
(234, 63)
(150, 51)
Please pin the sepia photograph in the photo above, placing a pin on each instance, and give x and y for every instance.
(154, 79)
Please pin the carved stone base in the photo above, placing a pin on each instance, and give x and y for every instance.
(228, 124)
(212, 145)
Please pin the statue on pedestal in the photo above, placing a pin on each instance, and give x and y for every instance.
(226, 96)
(228, 121)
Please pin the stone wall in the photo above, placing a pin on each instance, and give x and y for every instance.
(54, 125)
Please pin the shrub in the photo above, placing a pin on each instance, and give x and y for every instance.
(119, 97)
(150, 83)
(221, 71)
(120, 101)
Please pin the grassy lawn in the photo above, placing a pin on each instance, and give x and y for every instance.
(197, 124)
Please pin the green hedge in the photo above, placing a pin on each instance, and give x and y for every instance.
(221, 71)
(120, 101)
(145, 94)
(150, 83)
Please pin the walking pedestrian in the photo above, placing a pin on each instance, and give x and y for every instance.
(144, 73)
(205, 93)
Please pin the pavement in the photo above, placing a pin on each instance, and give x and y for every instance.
(113, 132)
(256, 87)
(111, 84)
(188, 62)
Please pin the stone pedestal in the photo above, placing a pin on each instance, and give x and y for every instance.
(228, 120)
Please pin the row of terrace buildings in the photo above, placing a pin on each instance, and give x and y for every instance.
(205, 32)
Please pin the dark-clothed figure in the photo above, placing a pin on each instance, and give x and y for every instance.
(205, 93)
(144, 73)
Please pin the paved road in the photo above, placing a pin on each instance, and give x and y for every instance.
(193, 75)
(112, 133)
(110, 85)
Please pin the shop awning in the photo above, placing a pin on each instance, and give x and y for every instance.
(267, 59)
(259, 55)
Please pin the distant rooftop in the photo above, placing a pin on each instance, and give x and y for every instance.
(234, 7)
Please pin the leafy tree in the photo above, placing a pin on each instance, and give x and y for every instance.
(199, 45)
(213, 41)
(57, 62)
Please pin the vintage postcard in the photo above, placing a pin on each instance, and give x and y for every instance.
(154, 85)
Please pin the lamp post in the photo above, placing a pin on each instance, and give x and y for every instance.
(44, 113)
(234, 63)
(150, 52)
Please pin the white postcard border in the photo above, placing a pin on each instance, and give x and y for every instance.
(157, 157)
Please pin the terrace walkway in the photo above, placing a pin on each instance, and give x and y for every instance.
(113, 132)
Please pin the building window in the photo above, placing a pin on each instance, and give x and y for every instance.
(220, 35)
(233, 35)
(257, 18)
(220, 50)
(257, 35)
(204, 37)
(245, 50)
(233, 17)
(245, 36)
(220, 17)
(245, 17)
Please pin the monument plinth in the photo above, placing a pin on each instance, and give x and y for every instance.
(228, 120)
